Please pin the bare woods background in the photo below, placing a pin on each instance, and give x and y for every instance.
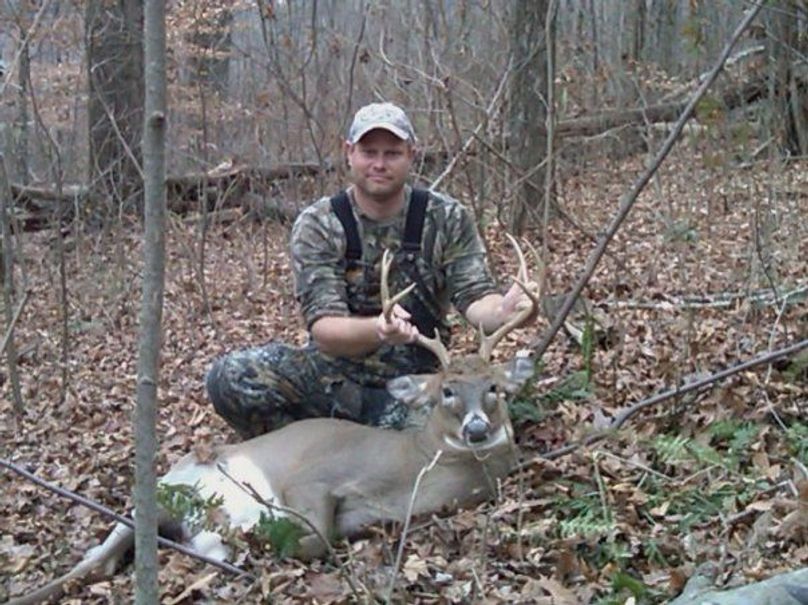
(272, 84)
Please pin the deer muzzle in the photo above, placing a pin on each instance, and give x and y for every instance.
(476, 429)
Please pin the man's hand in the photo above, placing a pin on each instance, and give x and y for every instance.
(515, 300)
(397, 331)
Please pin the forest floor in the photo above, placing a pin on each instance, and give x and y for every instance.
(686, 291)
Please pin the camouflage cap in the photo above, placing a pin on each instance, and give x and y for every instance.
(381, 115)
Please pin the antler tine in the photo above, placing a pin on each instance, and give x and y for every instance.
(539, 268)
(389, 302)
(487, 343)
(435, 345)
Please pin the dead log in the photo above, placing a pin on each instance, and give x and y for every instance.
(227, 186)
(35, 208)
(665, 112)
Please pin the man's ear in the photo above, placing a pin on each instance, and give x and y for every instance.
(518, 371)
(414, 390)
(346, 151)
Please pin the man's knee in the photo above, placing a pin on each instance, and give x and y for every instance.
(216, 385)
(260, 389)
(244, 391)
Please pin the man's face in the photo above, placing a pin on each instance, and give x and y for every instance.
(380, 163)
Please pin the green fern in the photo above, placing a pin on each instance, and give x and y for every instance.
(586, 525)
(524, 410)
(743, 438)
(622, 581)
(797, 439)
(672, 449)
(182, 501)
(723, 430)
(574, 386)
(281, 533)
(704, 453)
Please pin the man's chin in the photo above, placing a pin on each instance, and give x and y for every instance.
(382, 192)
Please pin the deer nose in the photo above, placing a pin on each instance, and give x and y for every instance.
(476, 429)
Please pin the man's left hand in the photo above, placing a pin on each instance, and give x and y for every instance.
(516, 300)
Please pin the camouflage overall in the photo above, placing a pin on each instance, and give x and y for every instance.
(263, 388)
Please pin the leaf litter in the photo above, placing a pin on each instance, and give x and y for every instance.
(716, 477)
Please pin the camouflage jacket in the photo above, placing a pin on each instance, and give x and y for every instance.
(451, 269)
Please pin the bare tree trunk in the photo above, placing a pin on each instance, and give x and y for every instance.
(114, 42)
(21, 132)
(151, 312)
(528, 110)
(7, 268)
(789, 99)
(638, 31)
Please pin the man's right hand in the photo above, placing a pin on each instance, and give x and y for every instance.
(397, 331)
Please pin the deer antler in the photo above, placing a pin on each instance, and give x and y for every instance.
(388, 302)
(487, 343)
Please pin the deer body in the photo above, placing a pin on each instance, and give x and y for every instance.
(340, 475)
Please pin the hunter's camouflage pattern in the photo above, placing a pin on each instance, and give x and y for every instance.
(260, 389)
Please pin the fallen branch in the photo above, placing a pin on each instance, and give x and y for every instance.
(100, 508)
(227, 186)
(628, 413)
(631, 197)
(712, 302)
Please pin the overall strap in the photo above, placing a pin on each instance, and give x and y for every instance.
(342, 208)
(414, 226)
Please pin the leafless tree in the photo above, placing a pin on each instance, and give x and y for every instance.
(114, 44)
(152, 304)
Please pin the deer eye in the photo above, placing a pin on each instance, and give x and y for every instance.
(451, 401)
(492, 395)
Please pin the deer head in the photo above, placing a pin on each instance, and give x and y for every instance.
(468, 395)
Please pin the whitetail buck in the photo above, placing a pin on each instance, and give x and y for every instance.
(342, 476)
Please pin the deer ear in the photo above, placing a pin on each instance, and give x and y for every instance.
(413, 389)
(518, 371)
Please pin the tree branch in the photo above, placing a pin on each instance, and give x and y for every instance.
(631, 197)
(100, 508)
(679, 390)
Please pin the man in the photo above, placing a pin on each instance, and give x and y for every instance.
(336, 246)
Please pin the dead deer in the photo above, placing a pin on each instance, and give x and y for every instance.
(342, 476)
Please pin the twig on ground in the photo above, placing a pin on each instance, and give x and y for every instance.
(100, 508)
(626, 414)
(403, 538)
(711, 302)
